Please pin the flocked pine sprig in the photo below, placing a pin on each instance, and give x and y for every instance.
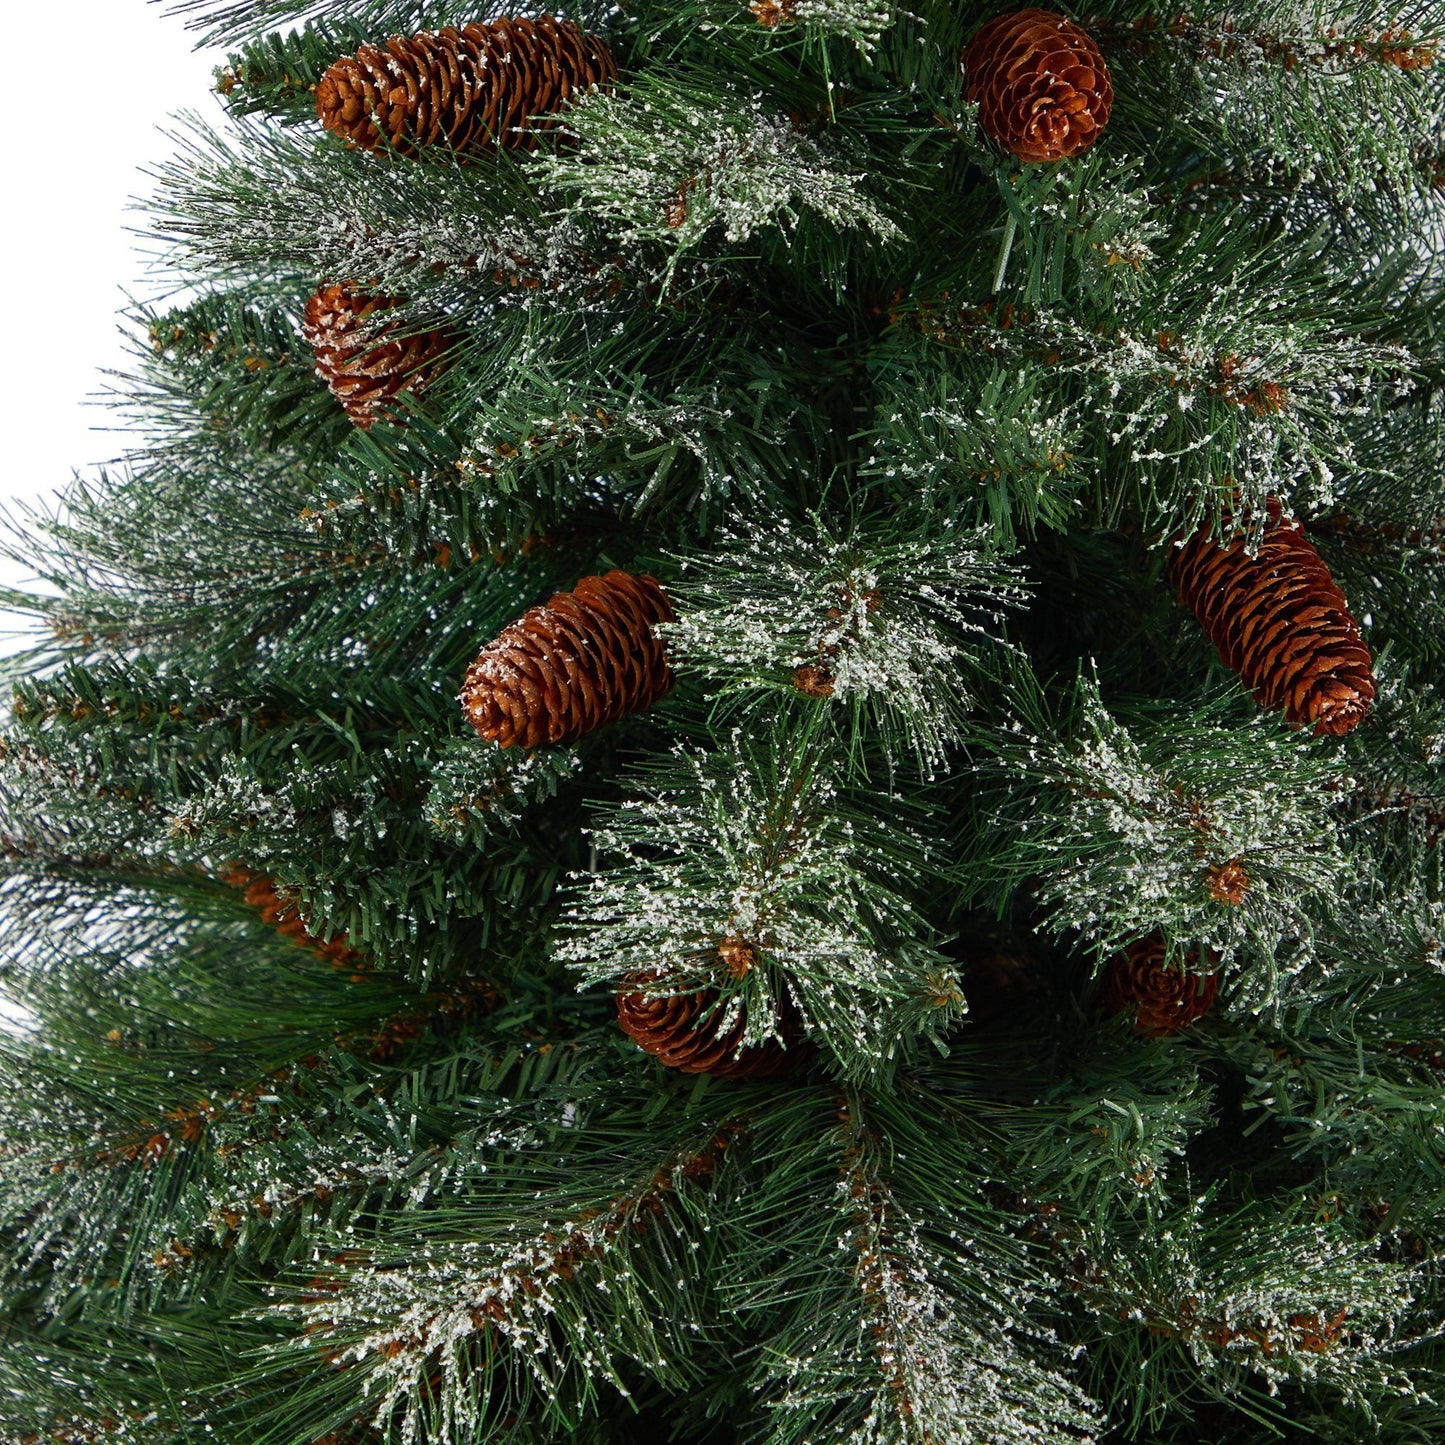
(564, 415)
(1377, 983)
(109, 1167)
(991, 446)
(1290, 1300)
(876, 1329)
(1394, 567)
(48, 1393)
(1266, 86)
(1100, 1137)
(242, 1152)
(861, 21)
(1217, 835)
(235, 416)
(619, 430)
(477, 790)
(112, 1160)
(1179, 411)
(256, 200)
(1191, 394)
(354, 1141)
(665, 167)
(1090, 229)
(522, 1304)
(1398, 800)
(349, 827)
(1399, 512)
(223, 22)
(883, 629)
(1381, 960)
(1305, 1085)
(754, 853)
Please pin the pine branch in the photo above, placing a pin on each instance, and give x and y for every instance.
(666, 170)
(864, 1341)
(761, 849)
(1231, 1298)
(1142, 822)
(883, 629)
(577, 1296)
(1261, 85)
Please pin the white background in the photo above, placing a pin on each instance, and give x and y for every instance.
(88, 94)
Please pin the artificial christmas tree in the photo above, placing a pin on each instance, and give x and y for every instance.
(858, 966)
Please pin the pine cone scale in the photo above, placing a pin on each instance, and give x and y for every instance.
(1165, 999)
(684, 1031)
(566, 684)
(368, 367)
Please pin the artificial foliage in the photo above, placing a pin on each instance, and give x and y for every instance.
(284, 916)
(751, 753)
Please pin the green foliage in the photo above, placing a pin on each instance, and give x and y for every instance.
(916, 1348)
(475, 791)
(278, 73)
(665, 170)
(1268, 90)
(1217, 837)
(987, 446)
(1230, 1300)
(883, 628)
(317, 1127)
(756, 845)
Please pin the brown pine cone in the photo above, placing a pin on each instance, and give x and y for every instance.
(367, 366)
(1166, 999)
(475, 89)
(1280, 622)
(674, 1029)
(1041, 86)
(587, 658)
(285, 917)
